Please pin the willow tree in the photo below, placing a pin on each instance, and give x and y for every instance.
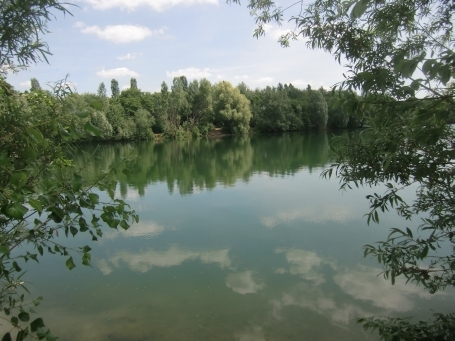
(400, 57)
(232, 109)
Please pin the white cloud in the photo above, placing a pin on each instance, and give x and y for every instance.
(264, 80)
(26, 84)
(190, 73)
(120, 34)
(129, 56)
(243, 283)
(157, 5)
(275, 32)
(242, 77)
(300, 82)
(117, 73)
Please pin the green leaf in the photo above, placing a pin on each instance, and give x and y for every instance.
(425, 252)
(14, 321)
(41, 333)
(86, 249)
(94, 198)
(35, 135)
(76, 182)
(70, 264)
(428, 65)
(57, 214)
(23, 316)
(16, 267)
(73, 230)
(36, 204)
(409, 232)
(124, 225)
(7, 337)
(18, 179)
(38, 323)
(50, 337)
(4, 249)
(97, 105)
(4, 161)
(114, 223)
(74, 133)
(64, 134)
(90, 128)
(82, 225)
(22, 335)
(415, 85)
(445, 73)
(82, 114)
(15, 211)
(359, 8)
(30, 153)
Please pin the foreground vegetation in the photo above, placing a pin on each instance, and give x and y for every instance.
(42, 193)
(400, 56)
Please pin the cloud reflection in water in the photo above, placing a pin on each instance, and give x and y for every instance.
(243, 283)
(144, 261)
(314, 214)
(362, 283)
(148, 229)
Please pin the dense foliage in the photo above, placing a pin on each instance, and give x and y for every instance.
(42, 193)
(400, 56)
(195, 108)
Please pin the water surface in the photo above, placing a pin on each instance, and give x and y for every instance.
(239, 239)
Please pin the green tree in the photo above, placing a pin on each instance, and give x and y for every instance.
(115, 88)
(275, 110)
(34, 85)
(177, 108)
(133, 84)
(144, 122)
(232, 109)
(317, 109)
(102, 93)
(201, 105)
(130, 99)
(21, 25)
(399, 55)
(161, 108)
(115, 114)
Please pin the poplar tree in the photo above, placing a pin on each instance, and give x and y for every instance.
(115, 88)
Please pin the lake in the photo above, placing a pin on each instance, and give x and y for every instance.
(239, 239)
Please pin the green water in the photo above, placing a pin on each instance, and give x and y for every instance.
(239, 239)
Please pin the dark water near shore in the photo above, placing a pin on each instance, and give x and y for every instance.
(239, 239)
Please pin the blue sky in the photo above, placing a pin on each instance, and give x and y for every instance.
(155, 40)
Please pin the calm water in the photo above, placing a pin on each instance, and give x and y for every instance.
(239, 239)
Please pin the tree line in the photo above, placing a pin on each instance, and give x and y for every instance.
(197, 107)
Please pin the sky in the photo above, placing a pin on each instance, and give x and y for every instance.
(156, 40)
